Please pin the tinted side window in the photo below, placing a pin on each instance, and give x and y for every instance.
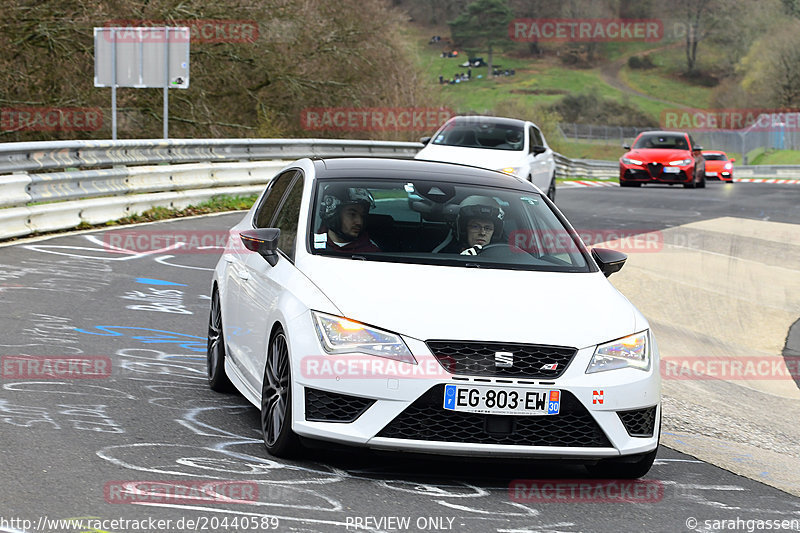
(536, 137)
(288, 217)
(273, 198)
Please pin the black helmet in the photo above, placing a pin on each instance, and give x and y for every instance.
(335, 197)
(478, 207)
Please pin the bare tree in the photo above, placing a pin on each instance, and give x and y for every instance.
(696, 16)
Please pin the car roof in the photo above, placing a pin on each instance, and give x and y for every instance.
(393, 169)
(487, 118)
(655, 132)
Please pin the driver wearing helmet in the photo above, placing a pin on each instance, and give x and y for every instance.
(344, 211)
(479, 220)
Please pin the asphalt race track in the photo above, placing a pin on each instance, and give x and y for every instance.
(147, 418)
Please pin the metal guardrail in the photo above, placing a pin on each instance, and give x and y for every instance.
(46, 186)
(585, 168)
(33, 156)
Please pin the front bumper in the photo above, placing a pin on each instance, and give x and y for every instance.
(722, 175)
(649, 173)
(388, 411)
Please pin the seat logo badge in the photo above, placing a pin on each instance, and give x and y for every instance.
(503, 359)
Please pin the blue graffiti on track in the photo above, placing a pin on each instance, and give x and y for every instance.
(151, 336)
(151, 281)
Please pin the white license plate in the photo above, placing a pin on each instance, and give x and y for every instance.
(501, 400)
(671, 170)
(711, 174)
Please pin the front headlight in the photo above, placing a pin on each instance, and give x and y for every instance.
(680, 163)
(340, 335)
(728, 166)
(629, 161)
(514, 171)
(632, 351)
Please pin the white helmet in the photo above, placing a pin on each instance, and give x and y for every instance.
(478, 207)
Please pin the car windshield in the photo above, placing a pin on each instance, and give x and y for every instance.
(656, 140)
(481, 134)
(442, 223)
(715, 157)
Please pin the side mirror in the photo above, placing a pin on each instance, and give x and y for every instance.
(609, 261)
(733, 160)
(425, 140)
(626, 146)
(537, 149)
(264, 241)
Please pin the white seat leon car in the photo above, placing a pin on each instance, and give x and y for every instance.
(431, 307)
(512, 146)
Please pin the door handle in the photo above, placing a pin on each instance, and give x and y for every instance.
(244, 275)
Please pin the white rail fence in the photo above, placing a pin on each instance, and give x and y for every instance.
(47, 186)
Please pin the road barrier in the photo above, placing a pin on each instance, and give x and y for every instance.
(55, 185)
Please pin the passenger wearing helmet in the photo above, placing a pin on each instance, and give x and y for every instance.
(479, 221)
(344, 211)
(513, 140)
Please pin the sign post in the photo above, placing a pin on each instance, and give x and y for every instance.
(141, 57)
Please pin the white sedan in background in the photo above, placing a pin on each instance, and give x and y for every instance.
(431, 307)
(509, 145)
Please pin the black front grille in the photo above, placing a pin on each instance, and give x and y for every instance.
(655, 169)
(480, 359)
(323, 406)
(426, 419)
(639, 422)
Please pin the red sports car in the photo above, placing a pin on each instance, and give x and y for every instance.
(663, 157)
(718, 166)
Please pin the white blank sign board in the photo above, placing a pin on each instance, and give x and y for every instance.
(145, 57)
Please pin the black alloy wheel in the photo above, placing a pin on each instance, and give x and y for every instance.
(276, 400)
(551, 191)
(215, 349)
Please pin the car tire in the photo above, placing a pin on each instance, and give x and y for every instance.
(551, 190)
(623, 469)
(215, 349)
(276, 400)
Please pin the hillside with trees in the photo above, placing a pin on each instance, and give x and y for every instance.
(371, 53)
(304, 54)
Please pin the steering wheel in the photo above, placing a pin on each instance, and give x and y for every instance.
(499, 250)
